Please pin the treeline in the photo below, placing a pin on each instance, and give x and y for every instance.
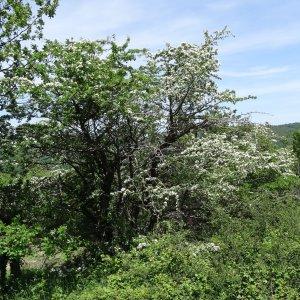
(286, 130)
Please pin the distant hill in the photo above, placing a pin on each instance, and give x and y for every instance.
(286, 130)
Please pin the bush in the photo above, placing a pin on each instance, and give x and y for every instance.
(248, 258)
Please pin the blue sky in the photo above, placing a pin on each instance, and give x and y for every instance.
(261, 59)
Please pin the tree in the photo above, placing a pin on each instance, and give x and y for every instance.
(209, 173)
(188, 98)
(296, 147)
(16, 223)
(20, 23)
(92, 100)
(111, 122)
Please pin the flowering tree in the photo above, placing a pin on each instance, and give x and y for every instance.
(202, 174)
(188, 98)
(128, 140)
(112, 123)
(20, 23)
(92, 102)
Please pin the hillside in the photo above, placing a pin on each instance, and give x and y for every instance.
(286, 129)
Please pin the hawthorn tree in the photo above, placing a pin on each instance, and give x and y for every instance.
(111, 122)
(93, 103)
(210, 172)
(188, 98)
(21, 23)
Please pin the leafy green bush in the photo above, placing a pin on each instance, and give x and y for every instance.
(253, 256)
(15, 240)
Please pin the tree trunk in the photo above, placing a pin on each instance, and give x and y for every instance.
(105, 225)
(152, 221)
(15, 268)
(3, 263)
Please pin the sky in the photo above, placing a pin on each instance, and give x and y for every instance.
(261, 58)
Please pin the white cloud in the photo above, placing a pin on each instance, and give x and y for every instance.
(93, 19)
(256, 72)
(268, 39)
(181, 29)
(292, 86)
(149, 24)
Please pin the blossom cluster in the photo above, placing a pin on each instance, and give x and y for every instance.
(217, 165)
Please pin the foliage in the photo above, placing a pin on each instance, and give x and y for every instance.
(296, 144)
(20, 23)
(254, 257)
(296, 147)
(109, 124)
(144, 170)
(16, 239)
(213, 170)
(286, 129)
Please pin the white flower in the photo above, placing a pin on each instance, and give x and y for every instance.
(213, 247)
(141, 246)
